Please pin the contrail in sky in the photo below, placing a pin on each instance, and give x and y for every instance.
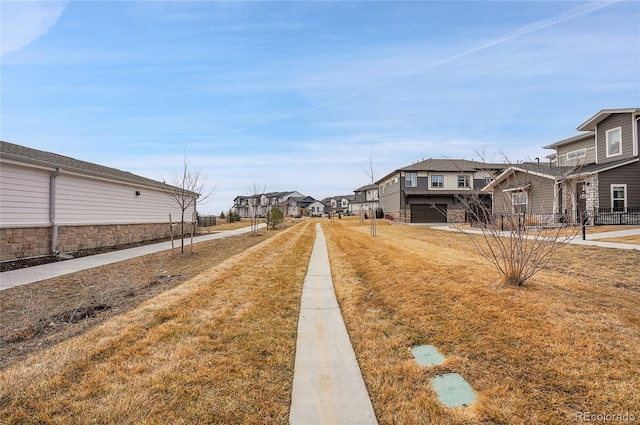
(533, 27)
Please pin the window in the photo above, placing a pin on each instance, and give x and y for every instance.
(577, 154)
(411, 179)
(437, 181)
(614, 141)
(519, 200)
(463, 180)
(619, 197)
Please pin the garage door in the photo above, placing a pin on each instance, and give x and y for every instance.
(429, 213)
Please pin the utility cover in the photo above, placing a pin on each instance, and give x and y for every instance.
(453, 390)
(427, 355)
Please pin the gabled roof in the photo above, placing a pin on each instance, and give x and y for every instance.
(349, 197)
(18, 153)
(590, 124)
(544, 171)
(446, 165)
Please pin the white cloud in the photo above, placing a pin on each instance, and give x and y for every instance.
(23, 22)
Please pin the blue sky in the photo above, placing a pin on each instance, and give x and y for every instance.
(299, 95)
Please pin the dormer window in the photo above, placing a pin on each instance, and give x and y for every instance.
(614, 142)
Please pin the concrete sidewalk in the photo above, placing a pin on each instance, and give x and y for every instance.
(591, 238)
(48, 271)
(327, 384)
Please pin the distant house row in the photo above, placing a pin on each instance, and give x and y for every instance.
(293, 203)
(593, 176)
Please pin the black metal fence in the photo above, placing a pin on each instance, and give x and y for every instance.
(599, 216)
(522, 221)
(206, 220)
(616, 216)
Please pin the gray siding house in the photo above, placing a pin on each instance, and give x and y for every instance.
(595, 175)
(435, 190)
(365, 200)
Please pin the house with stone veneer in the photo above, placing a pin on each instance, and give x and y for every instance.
(593, 176)
(51, 203)
(435, 190)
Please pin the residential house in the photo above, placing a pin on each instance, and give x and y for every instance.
(297, 205)
(51, 203)
(435, 190)
(260, 204)
(365, 200)
(316, 208)
(593, 176)
(340, 204)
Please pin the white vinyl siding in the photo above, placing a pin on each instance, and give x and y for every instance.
(25, 196)
(88, 201)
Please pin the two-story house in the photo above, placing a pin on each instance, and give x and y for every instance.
(365, 200)
(260, 204)
(593, 176)
(340, 204)
(434, 190)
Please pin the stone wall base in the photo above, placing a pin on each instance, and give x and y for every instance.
(25, 242)
(455, 216)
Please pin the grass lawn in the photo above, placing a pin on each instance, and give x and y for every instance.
(217, 349)
(568, 342)
(220, 347)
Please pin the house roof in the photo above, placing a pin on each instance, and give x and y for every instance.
(599, 168)
(25, 154)
(366, 187)
(540, 170)
(591, 123)
(569, 140)
(349, 197)
(446, 165)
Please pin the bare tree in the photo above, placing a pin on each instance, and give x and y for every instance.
(255, 207)
(527, 224)
(372, 209)
(185, 189)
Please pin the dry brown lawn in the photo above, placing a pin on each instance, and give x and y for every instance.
(568, 342)
(220, 347)
(634, 240)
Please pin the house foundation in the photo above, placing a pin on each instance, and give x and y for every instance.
(25, 242)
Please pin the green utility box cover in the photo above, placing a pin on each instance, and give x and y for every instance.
(453, 390)
(427, 355)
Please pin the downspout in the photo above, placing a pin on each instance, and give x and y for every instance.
(52, 210)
